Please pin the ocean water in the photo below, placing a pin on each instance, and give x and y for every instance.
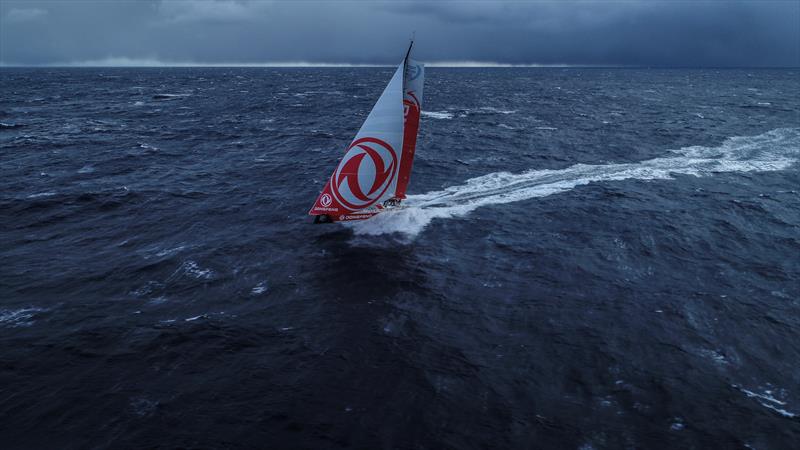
(589, 259)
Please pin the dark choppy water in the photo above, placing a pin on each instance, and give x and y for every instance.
(593, 259)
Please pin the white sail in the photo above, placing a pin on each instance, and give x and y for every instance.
(367, 174)
(415, 80)
(376, 166)
(385, 122)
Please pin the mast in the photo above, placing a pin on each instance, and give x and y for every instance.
(408, 52)
(411, 44)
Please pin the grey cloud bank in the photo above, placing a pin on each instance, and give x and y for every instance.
(257, 32)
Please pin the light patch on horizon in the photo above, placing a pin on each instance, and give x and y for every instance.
(21, 15)
(155, 62)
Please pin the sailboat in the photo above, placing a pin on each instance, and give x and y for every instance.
(373, 175)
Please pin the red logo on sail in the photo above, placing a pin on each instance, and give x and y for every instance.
(325, 200)
(410, 101)
(365, 173)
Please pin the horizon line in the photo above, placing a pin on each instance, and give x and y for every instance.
(155, 63)
(143, 63)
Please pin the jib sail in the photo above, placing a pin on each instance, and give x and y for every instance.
(412, 106)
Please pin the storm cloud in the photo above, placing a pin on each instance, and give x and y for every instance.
(637, 32)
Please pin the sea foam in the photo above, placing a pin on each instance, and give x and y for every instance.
(19, 317)
(437, 114)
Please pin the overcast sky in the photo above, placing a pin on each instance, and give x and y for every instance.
(634, 32)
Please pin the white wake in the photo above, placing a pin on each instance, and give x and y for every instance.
(774, 150)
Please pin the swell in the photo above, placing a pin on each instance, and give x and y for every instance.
(774, 150)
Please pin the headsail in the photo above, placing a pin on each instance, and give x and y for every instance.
(377, 163)
(412, 106)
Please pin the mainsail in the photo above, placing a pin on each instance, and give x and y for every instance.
(377, 164)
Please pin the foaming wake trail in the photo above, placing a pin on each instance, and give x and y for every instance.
(775, 150)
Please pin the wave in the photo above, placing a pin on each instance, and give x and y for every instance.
(774, 150)
(194, 270)
(768, 400)
(437, 114)
(170, 96)
(260, 288)
(147, 146)
(42, 194)
(20, 317)
(493, 110)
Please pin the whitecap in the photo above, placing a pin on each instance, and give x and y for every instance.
(260, 288)
(193, 269)
(42, 194)
(497, 110)
(170, 251)
(19, 317)
(507, 127)
(437, 114)
(86, 169)
(767, 395)
(714, 355)
(169, 96)
(780, 411)
(767, 400)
